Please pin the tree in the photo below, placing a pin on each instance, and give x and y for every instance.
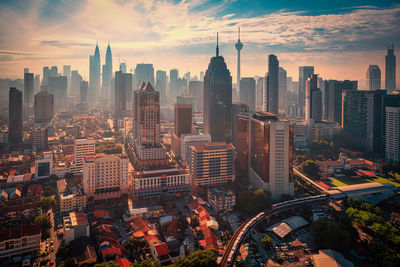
(106, 264)
(148, 262)
(199, 258)
(134, 245)
(70, 262)
(48, 203)
(306, 212)
(267, 241)
(226, 236)
(64, 252)
(310, 168)
(253, 201)
(300, 158)
(330, 235)
(48, 191)
(45, 225)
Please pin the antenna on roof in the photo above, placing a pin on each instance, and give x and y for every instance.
(217, 46)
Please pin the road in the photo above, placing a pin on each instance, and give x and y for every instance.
(309, 180)
(53, 238)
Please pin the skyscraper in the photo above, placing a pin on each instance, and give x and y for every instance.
(237, 109)
(271, 86)
(218, 100)
(83, 88)
(392, 134)
(144, 73)
(58, 87)
(67, 71)
(196, 90)
(259, 91)
(313, 100)
(373, 78)
(283, 88)
(37, 83)
(15, 130)
(304, 72)
(173, 83)
(390, 70)
(161, 85)
(28, 94)
(333, 98)
(146, 123)
(94, 75)
(248, 93)
(238, 47)
(75, 82)
(270, 154)
(44, 107)
(123, 84)
(183, 119)
(107, 74)
(122, 67)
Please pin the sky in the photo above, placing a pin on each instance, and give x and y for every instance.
(340, 38)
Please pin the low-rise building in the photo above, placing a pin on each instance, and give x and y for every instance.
(44, 165)
(75, 226)
(221, 199)
(19, 240)
(73, 199)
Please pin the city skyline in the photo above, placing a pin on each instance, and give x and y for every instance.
(66, 33)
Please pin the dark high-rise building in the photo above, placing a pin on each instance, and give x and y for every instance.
(283, 88)
(237, 109)
(218, 100)
(373, 78)
(183, 119)
(144, 73)
(248, 92)
(58, 87)
(259, 92)
(271, 86)
(333, 102)
(364, 118)
(123, 84)
(28, 94)
(83, 88)
(75, 83)
(304, 73)
(107, 74)
(15, 131)
(44, 107)
(196, 90)
(94, 75)
(390, 70)
(161, 85)
(313, 99)
(37, 83)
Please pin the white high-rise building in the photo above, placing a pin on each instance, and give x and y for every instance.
(105, 176)
(392, 134)
(82, 147)
(188, 140)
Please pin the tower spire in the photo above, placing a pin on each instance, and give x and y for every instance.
(239, 34)
(217, 46)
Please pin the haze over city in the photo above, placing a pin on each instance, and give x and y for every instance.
(341, 39)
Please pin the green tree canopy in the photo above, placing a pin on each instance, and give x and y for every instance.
(199, 258)
(148, 262)
(48, 203)
(45, 225)
(267, 241)
(253, 201)
(330, 235)
(310, 168)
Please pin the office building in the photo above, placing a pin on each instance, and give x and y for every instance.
(313, 103)
(212, 164)
(36, 83)
(237, 108)
(248, 92)
(283, 88)
(72, 200)
(325, 130)
(105, 176)
(74, 84)
(259, 91)
(107, 74)
(242, 145)
(94, 75)
(221, 199)
(196, 90)
(161, 85)
(271, 154)
(146, 123)
(144, 73)
(238, 47)
(28, 94)
(390, 70)
(160, 183)
(333, 98)
(82, 148)
(67, 71)
(44, 164)
(83, 88)
(392, 134)
(271, 86)
(123, 85)
(173, 83)
(188, 140)
(218, 100)
(183, 119)
(304, 73)
(364, 119)
(44, 107)
(15, 130)
(20, 240)
(122, 67)
(373, 78)
(75, 225)
(39, 138)
(58, 87)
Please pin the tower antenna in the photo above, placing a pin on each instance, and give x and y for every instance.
(217, 46)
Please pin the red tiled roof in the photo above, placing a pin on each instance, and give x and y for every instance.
(35, 190)
(100, 213)
(111, 250)
(150, 239)
(161, 249)
(124, 262)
